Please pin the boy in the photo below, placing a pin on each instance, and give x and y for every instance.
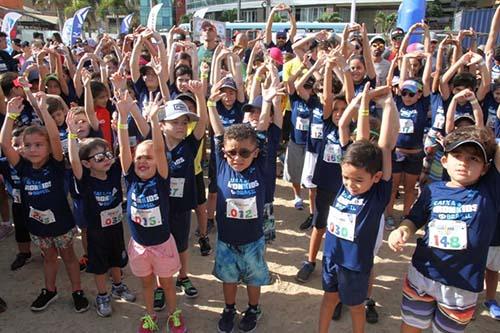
(459, 216)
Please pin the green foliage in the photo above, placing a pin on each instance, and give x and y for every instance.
(385, 22)
(277, 18)
(229, 15)
(330, 17)
(434, 9)
(186, 18)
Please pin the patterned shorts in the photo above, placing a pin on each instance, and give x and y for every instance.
(60, 242)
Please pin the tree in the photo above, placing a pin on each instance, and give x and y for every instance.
(186, 18)
(229, 15)
(434, 9)
(57, 5)
(385, 22)
(330, 17)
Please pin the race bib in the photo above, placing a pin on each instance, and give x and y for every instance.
(242, 209)
(448, 235)
(132, 141)
(341, 224)
(42, 216)
(64, 144)
(16, 195)
(317, 131)
(406, 126)
(439, 121)
(177, 187)
(332, 153)
(111, 216)
(302, 124)
(491, 120)
(147, 218)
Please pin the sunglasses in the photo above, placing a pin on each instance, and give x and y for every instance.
(405, 93)
(243, 153)
(100, 157)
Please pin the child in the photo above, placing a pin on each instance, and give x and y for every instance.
(151, 249)
(354, 217)
(57, 109)
(182, 149)
(50, 221)
(459, 217)
(98, 181)
(240, 164)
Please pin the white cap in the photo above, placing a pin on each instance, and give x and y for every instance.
(175, 109)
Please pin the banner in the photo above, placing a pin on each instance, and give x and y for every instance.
(153, 15)
(125, 27)
(78, 19)
(66, 31)
(200, 12)
(8, 23)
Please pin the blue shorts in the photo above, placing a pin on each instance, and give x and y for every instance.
(243, 263)
(352, 286)
(78, 213)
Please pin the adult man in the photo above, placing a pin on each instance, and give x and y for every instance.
(7, 63)
(209, 38)
(284, 44)
(377, 46)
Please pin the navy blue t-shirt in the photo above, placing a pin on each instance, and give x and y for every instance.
(11, 180)
(327, 172)
(472, 213)
(300, 118)
(315, 132)
(438, 113)
(273, 143)
(231, 116)
(495, 241)
(461, 109)
(142, 92)
(102, 199)
(490, 107)
(44, 198)
(240, 196)
(412, 122)
(353, 223)
(181, 171)
(148, 208)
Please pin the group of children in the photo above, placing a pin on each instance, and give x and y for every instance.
(117, 133)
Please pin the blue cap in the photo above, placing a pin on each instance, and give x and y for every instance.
(411, 85)
(229, 83)
(256, 103)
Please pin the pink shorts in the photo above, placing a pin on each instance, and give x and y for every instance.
(161, 260)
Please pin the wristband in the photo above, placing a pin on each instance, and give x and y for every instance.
(13, 116)
(364, 113)
(474, 101)
(26, 89)
(72, 136)
(204, 76)
(258, 79)
(122, 126)
(211, 103)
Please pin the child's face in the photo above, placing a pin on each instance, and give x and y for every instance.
(358, 70)
(464, 166)
(233, 151)
(357, 180)
(17, 144)
(101, 100)
(144, 161)
(150, 79)
(339, 107)
(82, 125)
(181, 82)
(59, 117)
(100, 160)
(53, 87)
(36, 148)
(496, 95)
(409, 97)
(176, 128)
(229, 97)
(253, 117)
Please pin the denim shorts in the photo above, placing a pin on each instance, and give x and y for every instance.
(243, 263)
(352, 286)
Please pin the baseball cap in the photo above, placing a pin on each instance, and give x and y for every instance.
(18, 84)
(411, 85)
(465, 117)
(281, 34)
(395, 81)
(256, 103)
(397, 33)
(90, 42)
(145, 68)
(229, 83)
(298, 37)
(434, 37)
(451, 147)
(415, 47)
(376, 38)
(186, 96)
(276, 54)
(50, 77)
(175, 109)
(207, 24)
(310, 82)
(33, 76)
(78, 50)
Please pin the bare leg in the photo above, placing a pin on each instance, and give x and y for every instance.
(358, 318)
(85, 243)
(315, 243)
(50, 267)
(330, 301)
(24, 247)
(116, 274)
(211, 204)
(405, 328)
(491, 279)
(100, 282)
(396, 178)
(72, 267)
(169, 286)
(296, 189)
(312, 200)
(230, 290)
(253, 295)
(410, 195)
(370, 282)
(148, 283)
(202, 217)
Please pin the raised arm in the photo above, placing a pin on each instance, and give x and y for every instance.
(426, 77)
(50, 125)
(213, 115)
(389, 129)
(235, 63)
(122, 106)
(14, 108)
(196, 87)
(346, 119)
(89, 101)
(327, 88)
(134, 58)
(363, 124)
(74, 158)
(370, 68)
(162, 75)
(494, 31)
(158, 141)
(269, 24)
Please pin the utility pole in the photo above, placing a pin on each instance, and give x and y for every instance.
(238, 12)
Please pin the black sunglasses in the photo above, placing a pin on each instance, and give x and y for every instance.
(405, 93)
(244, 153)
(100, 157)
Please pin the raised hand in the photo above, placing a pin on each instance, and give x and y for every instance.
(86, 76)
(153, 106)
(71, 123)
(15, 106)
(119, 81)
(196, 87)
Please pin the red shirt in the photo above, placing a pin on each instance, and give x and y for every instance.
(104, 118)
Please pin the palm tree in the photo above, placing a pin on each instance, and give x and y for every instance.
(385, 22)
(57, 5)
(330, 17)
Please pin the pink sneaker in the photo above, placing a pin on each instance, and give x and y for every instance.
(148, 324)
(175, 323)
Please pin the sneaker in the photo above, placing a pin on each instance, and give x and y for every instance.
(226, 321)
(205, 248)
(249, 321)
(80, 301)
(148, 324)
(299, 204)
(6, 229)
(3, 305)
(210, 225)
(307, 224)
(390, 224)
(304, 274)
(187, 287)
(83, 263)
(43, 300)
(371, 311)
(493, 308)
(103, 305)
(175, 323)
(21, 260)
(159, 299)
(337, 313)
(122, 292)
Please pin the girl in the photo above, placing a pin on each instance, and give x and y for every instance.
(50, 222)
(152, 251)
